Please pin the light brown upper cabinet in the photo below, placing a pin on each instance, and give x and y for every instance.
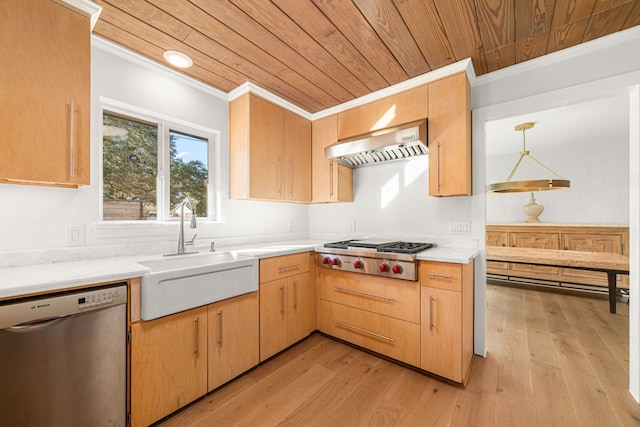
(44, 94)
(270, 151)
(393, 110)
(297, 158)
(332, 182)
(449, 130)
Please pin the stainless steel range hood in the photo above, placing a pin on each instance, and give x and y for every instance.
(384, 145)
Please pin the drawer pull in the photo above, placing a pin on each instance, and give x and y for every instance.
(286, 267)
(364, 331)
(368, 294)
(445, 276)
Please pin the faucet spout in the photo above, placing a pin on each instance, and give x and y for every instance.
(181, 243)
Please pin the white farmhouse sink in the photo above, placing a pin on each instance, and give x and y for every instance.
(183, 282)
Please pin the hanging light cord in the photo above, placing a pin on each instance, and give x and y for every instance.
(524, 153)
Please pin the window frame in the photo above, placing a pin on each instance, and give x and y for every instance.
(166, 125)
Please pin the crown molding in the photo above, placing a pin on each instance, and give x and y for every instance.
(263, 93)
(464, 65)
(85, 6)
(117, 50)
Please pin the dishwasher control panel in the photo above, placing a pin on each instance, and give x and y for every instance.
(19, 313)
(102, 298)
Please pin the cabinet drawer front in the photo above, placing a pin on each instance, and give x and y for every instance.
(534, 240)
(497, 265)
(395, 298)
(283, 266)
(392, 337)
(535, 268)
(592, 243)
(442, 275)
(497, 238)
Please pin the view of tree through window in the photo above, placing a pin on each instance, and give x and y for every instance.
(189, 171)
(130, 170)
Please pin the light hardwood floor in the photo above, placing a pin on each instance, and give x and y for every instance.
(552, 360)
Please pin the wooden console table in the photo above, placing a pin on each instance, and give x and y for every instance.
(609, 263)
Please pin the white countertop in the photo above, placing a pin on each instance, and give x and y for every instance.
(447, 254)
(40, 278)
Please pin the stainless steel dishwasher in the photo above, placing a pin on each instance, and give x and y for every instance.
(63, 359)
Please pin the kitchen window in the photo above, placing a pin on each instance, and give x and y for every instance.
(151, 163)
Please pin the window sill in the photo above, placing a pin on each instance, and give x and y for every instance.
(136, 229)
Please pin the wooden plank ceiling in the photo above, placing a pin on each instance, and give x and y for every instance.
(320, 53)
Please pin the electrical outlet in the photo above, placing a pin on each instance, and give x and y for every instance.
(460, 228)
(74, 235)
(352, 226)
(290, 226)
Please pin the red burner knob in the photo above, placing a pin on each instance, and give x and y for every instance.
(358, 264)
(335, 261)
(326, 260)
(384, 267)
(397, 269)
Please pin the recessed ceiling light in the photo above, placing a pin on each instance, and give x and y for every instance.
(177, 59)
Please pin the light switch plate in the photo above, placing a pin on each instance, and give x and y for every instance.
(74, 235)
(460, 228)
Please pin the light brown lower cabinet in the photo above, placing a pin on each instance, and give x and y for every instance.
(168, 364)
(233, 336)
(446, 333)
(395, 338)
(287, 313)
(178, 358)
(377, 313)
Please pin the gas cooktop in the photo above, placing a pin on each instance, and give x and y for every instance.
(381, 246)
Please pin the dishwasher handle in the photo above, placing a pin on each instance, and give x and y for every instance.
(35, 324)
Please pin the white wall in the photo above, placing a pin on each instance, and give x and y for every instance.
(35, 217)
(599, 192)
(392, 199)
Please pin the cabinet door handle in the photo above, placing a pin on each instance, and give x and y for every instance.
(72, 141)
(444, 276)
(295, 295)
(430, 312)
(197, 352)
(438, 165)
(286, 267)
(368, 294)
(331, 178)
(282, 300)
(220, 336)
(291, 178)
(364, 331)
(279, 176)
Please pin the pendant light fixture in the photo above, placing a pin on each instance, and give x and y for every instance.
(529, 185)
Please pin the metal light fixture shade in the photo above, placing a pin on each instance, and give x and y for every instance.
(528, 185)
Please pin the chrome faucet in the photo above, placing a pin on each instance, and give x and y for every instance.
(181, 243)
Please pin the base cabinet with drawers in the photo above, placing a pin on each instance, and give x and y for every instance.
(427, 324)
(578, 237)
(287, 302)
(377, 313)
